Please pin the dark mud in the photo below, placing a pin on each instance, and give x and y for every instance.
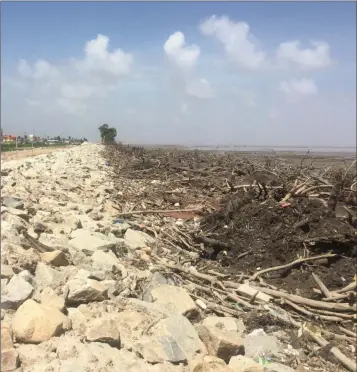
(274, 235)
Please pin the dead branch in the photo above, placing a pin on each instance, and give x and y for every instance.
(321, 285)
(291, 264)
(159, 211)
(312, 303)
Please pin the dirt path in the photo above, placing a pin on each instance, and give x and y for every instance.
(16, 155)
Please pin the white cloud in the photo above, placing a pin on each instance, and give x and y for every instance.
(98, 60)
(199, 88)
(238, 43)
(181, 54)
(303, 86)
(70, 86)
(41, 70)
(290, 53)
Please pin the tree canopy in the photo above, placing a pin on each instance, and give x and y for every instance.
(107, 133)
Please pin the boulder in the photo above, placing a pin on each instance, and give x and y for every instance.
(89, 242)
(137, 239)
(55, 258)
(84, 290)
(11, 202)
(220, 342)
(35, 323)
(49, 298)
(103, 330)
(16, 292)
(176, 299)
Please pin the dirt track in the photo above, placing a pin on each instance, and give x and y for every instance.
(15, 155)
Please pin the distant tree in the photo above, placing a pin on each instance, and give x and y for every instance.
(107, 134)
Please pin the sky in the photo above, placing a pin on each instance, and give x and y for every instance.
(189, 73)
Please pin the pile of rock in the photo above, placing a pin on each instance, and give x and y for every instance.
(72, 298)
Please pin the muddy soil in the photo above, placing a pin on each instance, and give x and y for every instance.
(274, 235)
(268, 232)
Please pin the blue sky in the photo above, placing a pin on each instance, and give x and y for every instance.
(185, 72)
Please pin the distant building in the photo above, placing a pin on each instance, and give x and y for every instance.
(9, 138)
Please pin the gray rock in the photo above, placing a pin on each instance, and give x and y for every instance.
(6, 271)
(103, 330)
(175, 298)
(16, 292)
(88, 242)
(137, 239)
(160, 349)
(225, 324)
(181, 331)
(219, 342)
(83, 290)
(11, 202)
(119, 229)
(46, 276)
(155, 280)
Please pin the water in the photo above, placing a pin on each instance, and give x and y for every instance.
(342, 150)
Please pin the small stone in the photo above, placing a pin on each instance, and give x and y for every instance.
(10, 360)
(16, 292)
(46, 276)
(103, 330)
(55, 258)
(6, 271)
(137, 239)
(35, 323)
(181, 331)
(175, 298)
(12, 202)
(160, 349)
(221, 343)
(89, 242)
(243, 364)
(85, 290)
(225, 324)
(49, 298)
(6, 338)
(209, 363)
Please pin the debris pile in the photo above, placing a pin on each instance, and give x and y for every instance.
(120, 258)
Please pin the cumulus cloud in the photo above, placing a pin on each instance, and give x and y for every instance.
(291, 53)
(238, 42)
(98, 60)
(71, 86)
(185, 57)
(41, 70)
(181, 54)
(303, 86)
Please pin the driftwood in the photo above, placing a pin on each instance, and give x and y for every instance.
(321, 285)
(343, 307)
(153, 211)
(348, 363)
(291, 264)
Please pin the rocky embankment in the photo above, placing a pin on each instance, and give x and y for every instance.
(73, 300)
